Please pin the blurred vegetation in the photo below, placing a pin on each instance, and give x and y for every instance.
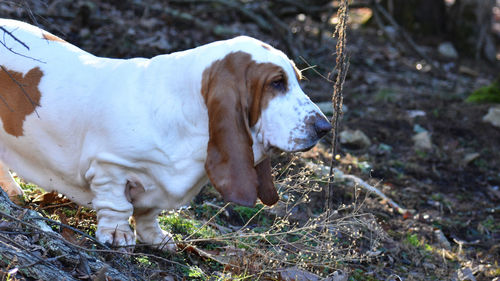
(486, 94)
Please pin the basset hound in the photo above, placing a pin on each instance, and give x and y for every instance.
(132, 137)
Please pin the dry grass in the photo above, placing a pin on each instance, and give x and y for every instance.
(295, 233)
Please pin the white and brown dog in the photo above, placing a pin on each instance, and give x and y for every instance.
(134, 137)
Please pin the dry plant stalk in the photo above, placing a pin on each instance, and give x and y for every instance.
(340, 70)
(314, 243)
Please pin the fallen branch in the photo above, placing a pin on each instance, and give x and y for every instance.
(339, 175)
(62, 225)
(50, 242)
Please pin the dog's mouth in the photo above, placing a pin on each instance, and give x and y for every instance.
(273, 150)
(308, 147)
(300, 144)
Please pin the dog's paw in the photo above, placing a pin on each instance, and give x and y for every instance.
(167, 243)
(121, 236)
(160, 240)
(11, 187)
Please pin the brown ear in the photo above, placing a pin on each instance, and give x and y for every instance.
(230, 162)
(266, 191)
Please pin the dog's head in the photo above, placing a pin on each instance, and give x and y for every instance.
(255, 104)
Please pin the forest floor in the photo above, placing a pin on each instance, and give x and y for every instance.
(450, 229)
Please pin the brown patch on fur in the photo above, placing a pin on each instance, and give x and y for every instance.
(298, 73)
(235, 90)
(266, 46)
(260, 76)
(51, 37)
(19, 95)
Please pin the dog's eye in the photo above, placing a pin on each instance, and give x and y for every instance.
(279, 84)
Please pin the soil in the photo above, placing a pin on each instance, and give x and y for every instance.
(452, 189)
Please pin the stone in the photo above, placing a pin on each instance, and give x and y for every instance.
(354, 139)
(297, 274)
(493, 116)
(327, 107)
(415, 113)
(422, 141)
(469, 157)
(391, 32)
(441, 239)
(448, 51)
(465, 274)
(338, 275)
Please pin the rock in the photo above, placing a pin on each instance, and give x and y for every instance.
(429, 266)
(415, 113)
(493, 116)
(441, 239)
(422, 141)
(354, 139)
(469, 157)
(296, 274)
(338, 275)
(391, 32)
(448, 51)
(465, 274)
(327, 107)
(418, 129)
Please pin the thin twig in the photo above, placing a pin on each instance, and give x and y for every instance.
(56, 206)
(72, 229)
(207, 222)
(313, 68)
(14, 37)
(10, 33)
(47, 261)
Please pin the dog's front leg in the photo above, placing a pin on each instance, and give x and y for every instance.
(113, 209)
(149, 232)
(9, 185)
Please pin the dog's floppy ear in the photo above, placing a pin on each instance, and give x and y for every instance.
(230, 161)
(266, 191)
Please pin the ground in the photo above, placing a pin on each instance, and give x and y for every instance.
(450, 231)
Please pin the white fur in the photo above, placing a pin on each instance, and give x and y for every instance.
(102, 122)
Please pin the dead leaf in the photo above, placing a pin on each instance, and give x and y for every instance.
(50, 198)
(46, 198)
(68, 234)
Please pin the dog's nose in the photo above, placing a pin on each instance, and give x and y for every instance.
(322, 126)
